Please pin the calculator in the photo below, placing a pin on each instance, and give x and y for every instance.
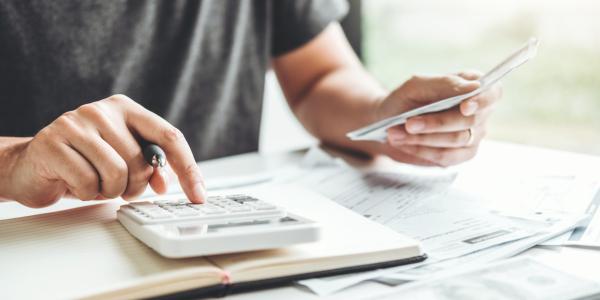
(176, 228)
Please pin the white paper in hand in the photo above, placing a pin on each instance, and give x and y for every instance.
(378, 131)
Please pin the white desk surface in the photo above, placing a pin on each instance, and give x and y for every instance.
(493, 157)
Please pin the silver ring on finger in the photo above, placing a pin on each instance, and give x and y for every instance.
(471, 137)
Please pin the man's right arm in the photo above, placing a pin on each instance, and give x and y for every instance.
(94, 152)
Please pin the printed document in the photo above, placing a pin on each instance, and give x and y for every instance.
(514, 279)
(461, 229)
(455, 224)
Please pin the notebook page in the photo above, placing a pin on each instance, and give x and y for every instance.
(347, 238)
(85, 251)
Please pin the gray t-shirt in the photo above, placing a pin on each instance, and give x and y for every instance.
(199, 64)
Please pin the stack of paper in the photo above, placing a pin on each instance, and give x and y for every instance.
(455, 226)
(520, 278)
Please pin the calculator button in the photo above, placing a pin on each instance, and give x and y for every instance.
(259, 205)
(196, 206)
(159, 215)
(152, 212)
(141, 204)
(211, 209)
(173, 208)
(240, 208)
(228, 208)
(241, 198)
(184, 211)
(171, 202)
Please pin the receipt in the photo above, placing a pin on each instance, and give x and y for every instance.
(378, 131)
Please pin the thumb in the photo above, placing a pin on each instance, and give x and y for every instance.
(435, 88)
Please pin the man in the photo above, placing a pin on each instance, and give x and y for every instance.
(195, 70)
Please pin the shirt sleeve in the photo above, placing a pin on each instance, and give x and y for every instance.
(295, 22)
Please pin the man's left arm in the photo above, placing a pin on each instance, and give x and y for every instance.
(331, 93)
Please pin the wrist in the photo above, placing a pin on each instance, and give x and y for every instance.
(377, 113)
(10, 151)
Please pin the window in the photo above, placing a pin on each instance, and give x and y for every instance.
(552, 101)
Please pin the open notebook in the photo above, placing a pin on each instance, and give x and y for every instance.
(85, 253)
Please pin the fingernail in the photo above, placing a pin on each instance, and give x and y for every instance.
(199, 192)
(415, 125)
(471, 108)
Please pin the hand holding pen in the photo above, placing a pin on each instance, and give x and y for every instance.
(93, 153)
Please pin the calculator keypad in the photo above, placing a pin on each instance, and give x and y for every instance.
(220, 208)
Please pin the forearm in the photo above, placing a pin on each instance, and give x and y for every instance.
(341, 101)
(10, 147)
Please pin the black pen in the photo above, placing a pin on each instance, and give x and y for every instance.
(154, 155)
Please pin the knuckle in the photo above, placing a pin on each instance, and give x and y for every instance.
(66, 123)
(116, 173)
(88, 186)
(171, 134)
(415, 78)
(43, 201)
(192, 172)
(47, 134)
(137, 183)
(446, 160)
(459, 138)
(89, 181)
(66, 119)
(450, 80)
(473, 120)
(436, 122)
(119, 99)
(92, 110)
(133, 193)
(440, 156)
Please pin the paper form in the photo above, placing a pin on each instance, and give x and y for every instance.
(555, 228)
(447, 222)
(519, 278)
(406, 202)
(589, 235)
(427, 269)
(532, 195)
